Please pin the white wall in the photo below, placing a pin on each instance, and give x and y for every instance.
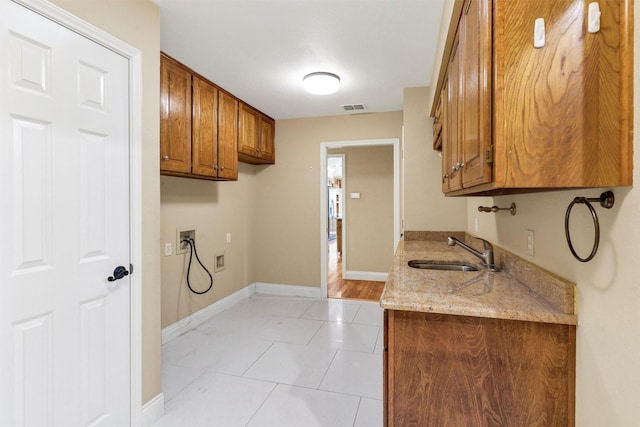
(214, 208)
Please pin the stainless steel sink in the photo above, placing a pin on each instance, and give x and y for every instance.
(442, 265)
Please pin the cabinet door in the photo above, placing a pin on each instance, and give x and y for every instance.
(266, 149)
(572, 132)
(437, 126)
(444, 370)
(454, 154)
(175, 117)
(387, 402)
(205, 128)
(248, 130)
(446, 130)
(475, 94)
(227, 136)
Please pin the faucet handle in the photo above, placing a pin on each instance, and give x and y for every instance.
(489, 257)
(485, 243)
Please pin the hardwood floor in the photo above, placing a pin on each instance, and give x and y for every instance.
(348, 289)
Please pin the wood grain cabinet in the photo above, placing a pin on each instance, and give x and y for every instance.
(257, 132)
(446, 370)
(198, 125)
(451, 141)
(437, 126)
(175, 117)
(523, 118)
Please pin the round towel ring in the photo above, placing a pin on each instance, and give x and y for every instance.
(606, 200)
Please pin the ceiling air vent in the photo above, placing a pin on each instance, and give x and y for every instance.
(354, 107)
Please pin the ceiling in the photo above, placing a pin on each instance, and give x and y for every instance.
(260, 50)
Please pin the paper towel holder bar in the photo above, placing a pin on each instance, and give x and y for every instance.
(494, 209)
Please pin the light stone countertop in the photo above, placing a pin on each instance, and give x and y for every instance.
(466, 293)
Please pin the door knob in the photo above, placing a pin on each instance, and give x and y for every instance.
(118, 273)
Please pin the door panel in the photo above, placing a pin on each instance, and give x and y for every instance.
(228, 136)
(32, 195)
(248, 130)
(267, 129)
(175, 113)
(454, 153)
(476, 100)
(64, 222)
(205, 128)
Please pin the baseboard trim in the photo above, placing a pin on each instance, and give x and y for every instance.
(288, 290)
(190, 322)
(365, 275)
(152, 411)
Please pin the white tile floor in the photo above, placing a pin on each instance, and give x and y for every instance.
(277, 361)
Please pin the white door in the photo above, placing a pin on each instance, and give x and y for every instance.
(64, 226)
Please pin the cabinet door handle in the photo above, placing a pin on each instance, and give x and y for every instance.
(593, 19)
(165, 157)
(216, 167)
(539, 33)
(221, 168)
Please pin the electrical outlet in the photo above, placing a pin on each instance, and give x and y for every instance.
(530, 243)
(168, 250)
(476, 225)
(228, 237)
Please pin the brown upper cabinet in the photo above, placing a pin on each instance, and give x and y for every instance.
(198, 125)
(451, 148)
(519, 118)
(175, 117)
(257, 131)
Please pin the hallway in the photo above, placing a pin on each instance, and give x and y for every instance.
(348, 289)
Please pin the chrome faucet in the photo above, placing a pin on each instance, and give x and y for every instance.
(486, 256)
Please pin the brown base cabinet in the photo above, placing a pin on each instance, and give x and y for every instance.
(446, 370)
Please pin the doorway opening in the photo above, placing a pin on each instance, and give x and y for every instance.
(334, 229)
(335, 197)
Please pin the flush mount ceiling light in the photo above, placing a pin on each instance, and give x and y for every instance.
(321, 83)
